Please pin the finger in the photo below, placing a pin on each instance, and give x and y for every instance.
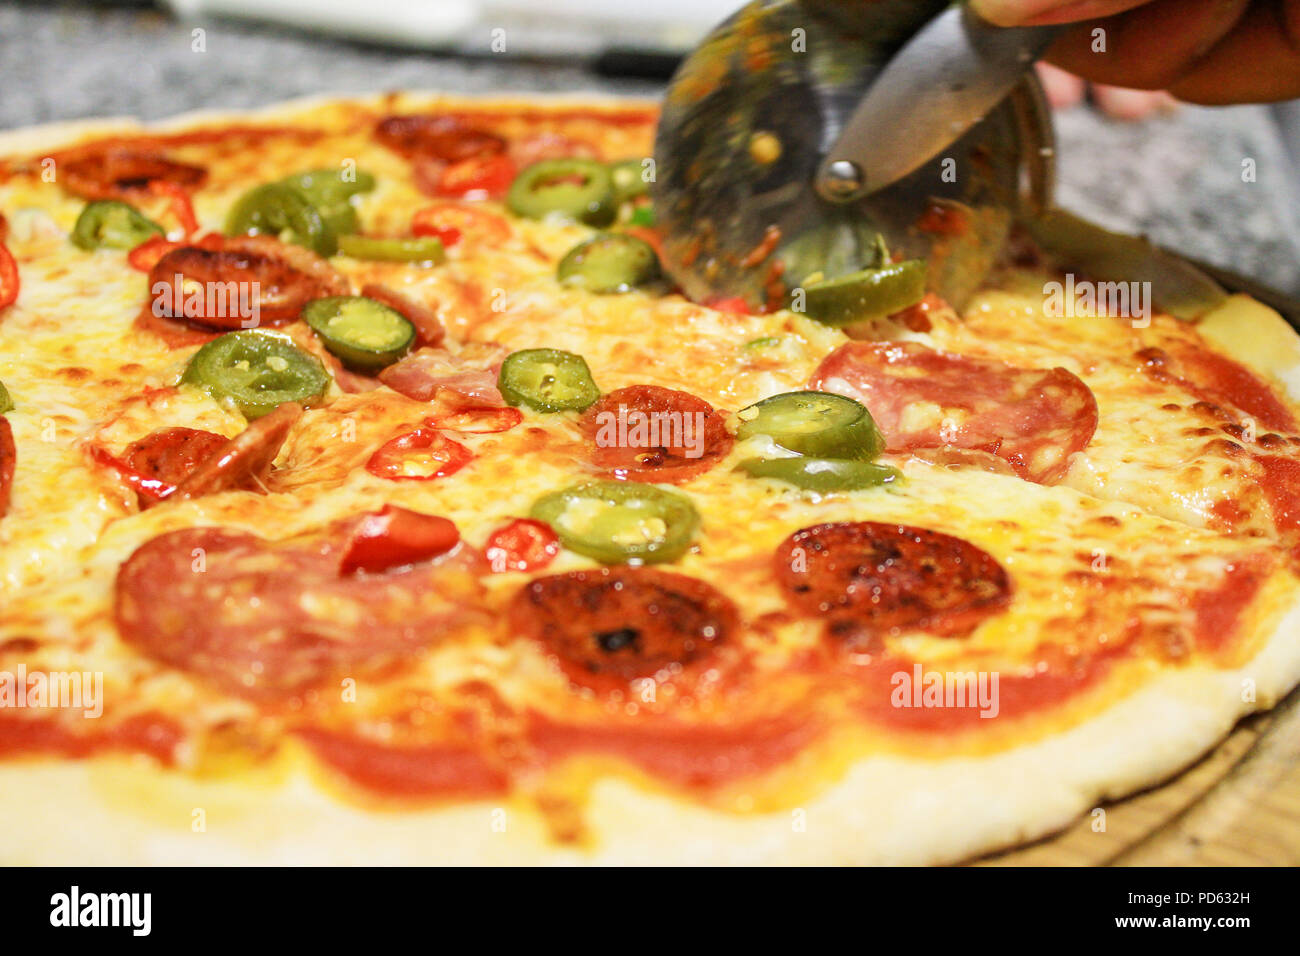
(1150, 48)
(1012, 13)
(1131, 105)
(1063, 89)
(1258, 62)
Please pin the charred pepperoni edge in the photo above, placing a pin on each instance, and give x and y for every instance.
(171, 454)
(435, 136)
(120, 172)
(244, 459)
(8, 459)
(283, 289)
(612, 625)
(907, 579)
(653, 463)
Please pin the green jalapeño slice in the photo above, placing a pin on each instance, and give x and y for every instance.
(822, 475)
(629, 180)
(866, 294)
(578, 189)
(330, 192)
(547, 380)
(365, 335)
(282, 211)
(6, 403)
(615, 522)
(819, 424)
(256, 371)
(427, 249)
(109, 224)
(609, 263)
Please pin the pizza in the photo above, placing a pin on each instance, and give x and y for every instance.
(369, 495)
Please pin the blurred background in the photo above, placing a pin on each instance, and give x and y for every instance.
(1174, 174)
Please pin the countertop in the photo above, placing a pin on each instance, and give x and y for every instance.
(1178, 178)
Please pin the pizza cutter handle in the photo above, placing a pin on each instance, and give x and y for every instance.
(942, 82)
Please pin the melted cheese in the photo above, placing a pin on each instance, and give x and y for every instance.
(1126, 537)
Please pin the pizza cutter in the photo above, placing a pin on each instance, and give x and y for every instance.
(812, 138)
(800, 131)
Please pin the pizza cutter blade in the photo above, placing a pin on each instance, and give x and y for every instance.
(756, 119)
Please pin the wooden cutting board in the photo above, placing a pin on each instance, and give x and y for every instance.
(1238, 806)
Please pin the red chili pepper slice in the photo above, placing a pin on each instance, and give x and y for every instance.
(733, 304)
(522, 545)
(154, 489)
(418, 455)
(482, 177)
(451, 221)
(394, 537)
(8, 277)
(178, 200)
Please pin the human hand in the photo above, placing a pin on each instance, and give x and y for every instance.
(1203, 51)
(1065, 90)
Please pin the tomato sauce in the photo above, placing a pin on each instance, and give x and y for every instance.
(150, 734)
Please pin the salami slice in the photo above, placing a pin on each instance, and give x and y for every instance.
(1034, 419)
(272, 620)
(465, 379)
(867, 579)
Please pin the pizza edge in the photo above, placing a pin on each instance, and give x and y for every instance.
(956, 808)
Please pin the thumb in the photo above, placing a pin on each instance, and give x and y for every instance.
(1015, 13)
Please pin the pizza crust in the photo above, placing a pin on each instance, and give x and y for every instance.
(884, 810)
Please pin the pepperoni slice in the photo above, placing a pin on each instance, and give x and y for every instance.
(620, 624)
(125, 174)
(450, 221)
(447, 138)
(522, 545)
(245, 459)
(871, 578)
(170, 454)
(429, 330)
(8, 458)
(227, 289)
(395, 537)
(1034, 419)
(649, 433)
(421, 454)
(272, 620)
